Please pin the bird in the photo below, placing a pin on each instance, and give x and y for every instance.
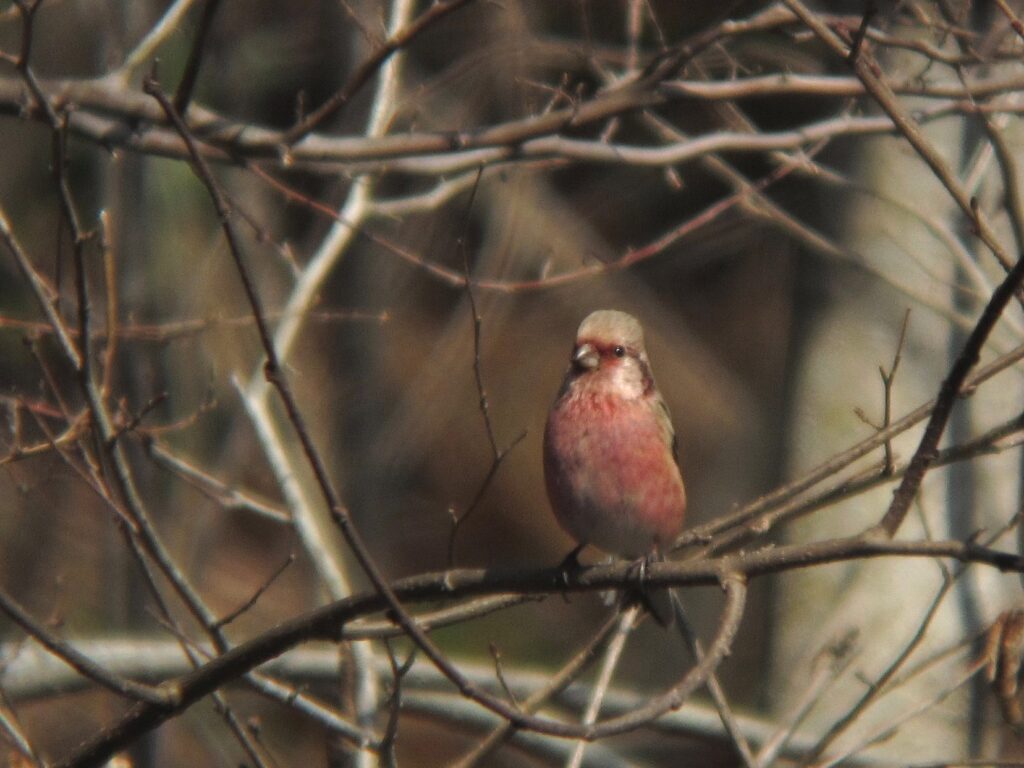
(610, 452)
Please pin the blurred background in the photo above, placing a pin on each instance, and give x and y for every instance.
(772, 281)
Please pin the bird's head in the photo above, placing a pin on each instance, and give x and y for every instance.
(609, 354)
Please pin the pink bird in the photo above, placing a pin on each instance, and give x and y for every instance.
(609, 447)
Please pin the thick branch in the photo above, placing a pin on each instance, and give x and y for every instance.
(327, 622)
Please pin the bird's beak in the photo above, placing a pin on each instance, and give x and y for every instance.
(585, 358)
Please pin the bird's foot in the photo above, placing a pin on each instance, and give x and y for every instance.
(571, 562)
(570, 565)
(657, 601)
(638, 568)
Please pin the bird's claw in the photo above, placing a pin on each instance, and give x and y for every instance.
(571, 562)
(658, 601)
(638, 569)
(569, 567)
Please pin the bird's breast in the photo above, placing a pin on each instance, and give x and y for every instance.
(611, 476)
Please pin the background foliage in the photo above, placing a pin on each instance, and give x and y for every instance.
(426, 198)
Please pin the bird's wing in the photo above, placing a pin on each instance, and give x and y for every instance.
(664, 419)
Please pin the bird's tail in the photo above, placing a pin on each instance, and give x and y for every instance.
(660, 604)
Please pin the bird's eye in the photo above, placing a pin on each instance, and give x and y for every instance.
(620, 351)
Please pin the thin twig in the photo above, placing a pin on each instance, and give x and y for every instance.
(82, 664)
(944, 401)
(828, 665)
(113, 303)
(227, 619)
(13, 732)
(275, 376)
(843, 459)
(1015, 23)
(183, 96)
(883, 683)
(612, 656)
(908, 713)
(396, 41)
(569, 672)
(1014, 203)
(460, 520)
(869, 74)
(497, 454)
(714, 687)
(156, 36)
(132, 423)
(462, 247)
(143, 541)
(1001, 437)
(870, 11)
(888, 377)
(222, 493)
(323, 623)
(173, 330)
(500, 674)
(398, 673)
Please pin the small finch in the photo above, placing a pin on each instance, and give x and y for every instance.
(609, 448)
